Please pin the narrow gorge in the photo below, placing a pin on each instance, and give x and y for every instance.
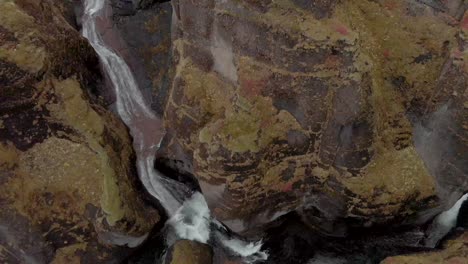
(234, 131)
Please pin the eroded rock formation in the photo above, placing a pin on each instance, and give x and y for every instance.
(455, 251)
(189, 252)
(352, 113)
(68, 185)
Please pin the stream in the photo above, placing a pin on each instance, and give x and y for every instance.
(188, 212)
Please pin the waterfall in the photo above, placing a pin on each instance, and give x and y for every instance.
(443, 223)
(188, 211)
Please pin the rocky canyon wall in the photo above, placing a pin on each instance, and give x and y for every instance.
(68, 186)
(352, 113)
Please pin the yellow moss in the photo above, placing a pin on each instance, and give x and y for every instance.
(56, 166)
(111, 202)
(240, 132)
(401, 37)
(8, 155)
(190, 252)
(76, 112)
(389, 41)
(206, 89)
(15, 20)
(291, 19)
(272, 177)
(25, 54)
(320, 174)
(69, 254)
(396, 175)
(249, 124)
(249, 128)
(281, 124)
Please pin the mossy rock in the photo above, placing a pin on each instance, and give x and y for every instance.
(189, 252)
(68, 185)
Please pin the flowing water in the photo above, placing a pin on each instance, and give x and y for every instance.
(189, 215)
(443, 223)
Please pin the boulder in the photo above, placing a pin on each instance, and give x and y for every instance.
(146, 47)
(189, 252)
(352, 113)
(68, 185)
(455, 251)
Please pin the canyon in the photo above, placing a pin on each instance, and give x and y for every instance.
(233, 131)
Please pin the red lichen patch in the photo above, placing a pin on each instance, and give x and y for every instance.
(390, 260)
(265, 123)
(464, 22)
(252, 88)
(390, 5)
(342, 30)
(386, 53)
(332, 62)
(287, 187)
(456, 260)
(217, 127)
(457, 54)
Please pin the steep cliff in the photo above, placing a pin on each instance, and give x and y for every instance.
(68, 185)
(352, 113)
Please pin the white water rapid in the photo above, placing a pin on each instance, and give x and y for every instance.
(188, 211)
(444, 222)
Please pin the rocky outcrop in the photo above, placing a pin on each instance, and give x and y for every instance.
(189, 252)
(455, 251)
(145, 29)
(68, 190)
(352, 113)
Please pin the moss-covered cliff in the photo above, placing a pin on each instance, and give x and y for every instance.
(68, 186)
(346, 111)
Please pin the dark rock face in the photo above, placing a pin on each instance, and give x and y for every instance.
(454, 251)
(147, 37)
(350, 113)
(68, 190)
(293, 242)
(131, 7)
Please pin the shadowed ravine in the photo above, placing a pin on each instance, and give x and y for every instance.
(187, 209)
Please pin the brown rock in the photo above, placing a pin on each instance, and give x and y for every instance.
(455, 251)
(189, 252)
(68, 188)
(341, 110)
(147, 48)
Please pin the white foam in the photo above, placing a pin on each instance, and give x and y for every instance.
(243, 248)
(250, 251)
(114, 238)
(92, 7)
(443, 223)
(192, 220)
(449, 217)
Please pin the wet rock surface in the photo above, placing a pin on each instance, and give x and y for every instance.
(333, 129)
(68, 185)
(351, 113)
(189, 252)
(454, 251)
(292, 241)
(147, 48)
